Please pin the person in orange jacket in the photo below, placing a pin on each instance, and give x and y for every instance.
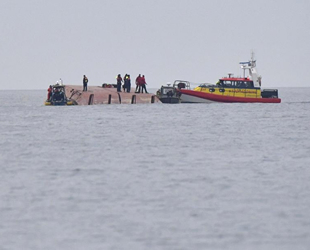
(138, 84)
(49, 92)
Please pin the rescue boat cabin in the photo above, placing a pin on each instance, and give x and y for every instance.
(236, 83)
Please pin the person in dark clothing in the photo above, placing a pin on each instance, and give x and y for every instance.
(119, 82)
(56, 95)
(125, 83)
(128, 84)
(85, 81)
(143, 83)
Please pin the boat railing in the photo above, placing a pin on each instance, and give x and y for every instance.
(181, 84)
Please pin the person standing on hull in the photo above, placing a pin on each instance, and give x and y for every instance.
(143, 83)
(85, 81)
(138, 84)
(125, 83)
(128, 83)
(119, 82)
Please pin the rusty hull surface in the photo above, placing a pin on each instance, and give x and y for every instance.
(98, 95)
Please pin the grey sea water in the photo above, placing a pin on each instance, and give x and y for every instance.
(155, 176)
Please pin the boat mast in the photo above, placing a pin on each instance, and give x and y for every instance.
(250, 65)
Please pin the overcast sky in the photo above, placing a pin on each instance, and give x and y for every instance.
(195, 40)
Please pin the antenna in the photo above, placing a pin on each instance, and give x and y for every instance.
(253, 62)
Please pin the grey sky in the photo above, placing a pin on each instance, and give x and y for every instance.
(195, 40)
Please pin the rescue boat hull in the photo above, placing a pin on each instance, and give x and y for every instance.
(191, 96)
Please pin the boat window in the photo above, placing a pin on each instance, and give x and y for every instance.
(249, 84)
(240, 84)
(166, 90)
(227, 84)
(181, 85)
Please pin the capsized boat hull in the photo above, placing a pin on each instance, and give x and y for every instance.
(96, 95)
(191, 96)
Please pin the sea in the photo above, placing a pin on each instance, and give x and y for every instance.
(154, 176)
